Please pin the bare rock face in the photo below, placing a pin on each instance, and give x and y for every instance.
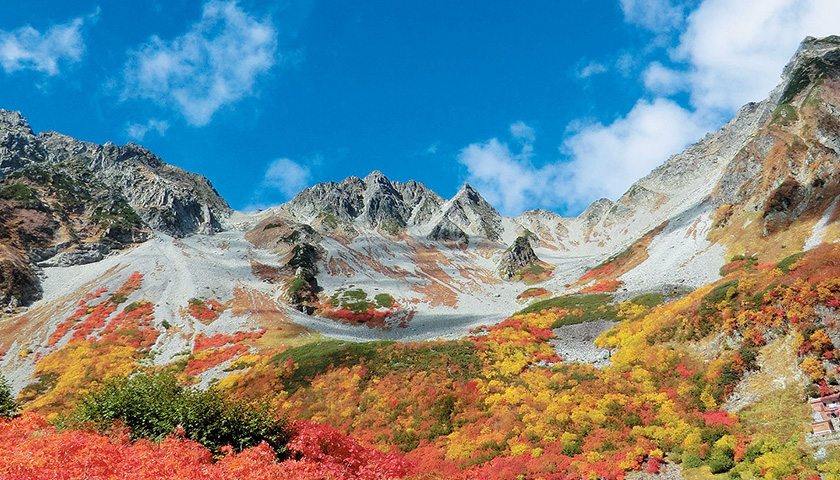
(377, 203)
(65, 202)
(516, 257)
(446, 231)
(472, 214)
(166, 198)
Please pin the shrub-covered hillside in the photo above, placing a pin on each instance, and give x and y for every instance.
(684, 386)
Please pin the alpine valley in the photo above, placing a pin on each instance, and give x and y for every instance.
(688, 329)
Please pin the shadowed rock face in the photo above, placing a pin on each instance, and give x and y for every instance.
(446, 231)
(517, 257)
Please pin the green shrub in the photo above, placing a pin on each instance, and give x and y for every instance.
(132, 306)
(118, 298)
(328, 220)
(297, 284)
(724, 291)
(384, 300)
(721, 460)
(117, 213)
(8, 405)
(572, 448)
(787, 262)
(153, 406)
(691, 460)
(19, 192)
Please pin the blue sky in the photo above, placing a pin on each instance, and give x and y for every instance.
(538, 104)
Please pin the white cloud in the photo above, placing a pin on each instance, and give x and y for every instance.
(655, 15)
(138, 131)
(729, 53)
(523, 133)
(506, 179)
(735, 51)
(601, 160)
(606, 159)
(662, 80)
(286, 176)
(214, 64)
(592, 68)
(45, 52)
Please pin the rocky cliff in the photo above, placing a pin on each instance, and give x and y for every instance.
(66, 202)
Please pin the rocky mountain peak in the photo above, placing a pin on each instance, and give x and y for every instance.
(165, 197)
(815, 59)
(376, 177)
(473, 214)
(469, 193)
(518, 256)
(13, 122)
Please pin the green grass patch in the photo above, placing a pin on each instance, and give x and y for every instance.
(427, 356)
(357, 294)
(591, 307)
(784, 114)
(649, 300)
(315, 358)
(586, 302)
(788, 262)
(357, 300)
(19, 192)
(534, 269)
(384, 300)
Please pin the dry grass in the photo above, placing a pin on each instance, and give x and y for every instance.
(773, 399)
(702, 473)
(263, 312)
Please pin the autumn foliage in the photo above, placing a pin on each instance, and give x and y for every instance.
(497, 404)
(318, 452)
(604, 286)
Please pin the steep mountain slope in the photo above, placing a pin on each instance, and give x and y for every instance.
(66, 202)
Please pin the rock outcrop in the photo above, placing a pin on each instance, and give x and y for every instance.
(165, 197)
(446, 231)
(65, 202)
(392, 207)
(517, 257)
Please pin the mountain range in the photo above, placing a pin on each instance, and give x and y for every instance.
(690, 326)
(372, 258)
